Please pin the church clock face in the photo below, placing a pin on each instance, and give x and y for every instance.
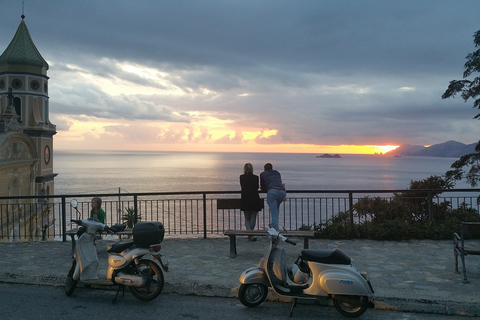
(46, 154)
(17, 83)
(34, 84)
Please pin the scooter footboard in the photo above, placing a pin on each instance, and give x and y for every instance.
(254, 275)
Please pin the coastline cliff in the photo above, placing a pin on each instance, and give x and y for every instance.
(449, 149)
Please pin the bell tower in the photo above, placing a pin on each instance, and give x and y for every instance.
(23, 78)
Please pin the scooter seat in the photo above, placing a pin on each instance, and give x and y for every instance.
(335, 256)
(119, 247)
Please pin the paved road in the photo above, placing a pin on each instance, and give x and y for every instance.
(51, 303)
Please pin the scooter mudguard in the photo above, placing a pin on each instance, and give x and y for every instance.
(254, 275)
(76, 273)
(343, 283)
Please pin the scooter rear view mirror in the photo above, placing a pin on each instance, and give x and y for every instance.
(74, 204)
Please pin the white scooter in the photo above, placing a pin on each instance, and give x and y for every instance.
(137, 264)
(315, 274)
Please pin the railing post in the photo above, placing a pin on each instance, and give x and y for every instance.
(119, 210)
(205, 216)
(430, 199)
(64, 220)
(350, 209)
(135, 209)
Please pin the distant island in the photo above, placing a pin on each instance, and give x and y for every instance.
(449, 149)
(326, 155)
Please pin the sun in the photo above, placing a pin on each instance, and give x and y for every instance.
(383, 149)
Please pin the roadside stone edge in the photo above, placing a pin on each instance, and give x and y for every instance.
(200, 289)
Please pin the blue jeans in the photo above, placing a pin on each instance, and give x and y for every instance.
(250, 219)
(274, 198)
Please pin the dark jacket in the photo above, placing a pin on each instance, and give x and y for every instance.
(250, 200)
(270, 179)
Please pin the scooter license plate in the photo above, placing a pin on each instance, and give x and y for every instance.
(164, 261)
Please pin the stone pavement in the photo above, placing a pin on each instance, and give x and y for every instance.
(410, 276)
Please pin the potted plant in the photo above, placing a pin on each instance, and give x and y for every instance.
(129, 218)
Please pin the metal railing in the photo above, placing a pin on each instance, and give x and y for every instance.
(196, 213)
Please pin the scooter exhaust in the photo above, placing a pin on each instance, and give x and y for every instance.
(129, 280)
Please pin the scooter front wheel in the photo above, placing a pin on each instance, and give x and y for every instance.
(70, 283)
(252, 294)
(153, 278)
(348, 310)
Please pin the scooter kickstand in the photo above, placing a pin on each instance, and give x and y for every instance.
(294, 304)
(118, 290)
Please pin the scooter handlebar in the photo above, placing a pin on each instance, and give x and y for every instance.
(79, 222)
(291, 242)
(274, 233)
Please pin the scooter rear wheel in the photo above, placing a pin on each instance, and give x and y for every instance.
(154, 281)
(70, 283)
(252, 294)
(348, 310)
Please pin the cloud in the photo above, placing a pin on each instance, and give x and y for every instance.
(89, 99)
(218, 72)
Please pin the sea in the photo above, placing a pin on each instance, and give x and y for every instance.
(87, 172)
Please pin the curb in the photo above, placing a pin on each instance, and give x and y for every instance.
(452, 308)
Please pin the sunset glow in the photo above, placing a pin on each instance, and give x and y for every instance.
(208, 134)
(383, 149)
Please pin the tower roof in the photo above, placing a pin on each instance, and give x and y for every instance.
(21, 54)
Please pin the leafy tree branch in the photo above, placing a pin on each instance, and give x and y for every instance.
(468, 166)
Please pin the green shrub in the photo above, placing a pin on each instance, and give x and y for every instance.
(405, 216)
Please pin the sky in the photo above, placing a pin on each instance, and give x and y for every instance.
(252, 76)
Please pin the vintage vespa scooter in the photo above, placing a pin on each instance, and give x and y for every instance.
(315, 274)
(136, 264)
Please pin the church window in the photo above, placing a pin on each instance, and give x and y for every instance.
(17, 104)
(34, 84)
(17, 83)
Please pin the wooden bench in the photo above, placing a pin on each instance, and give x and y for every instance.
(226, 204)
(73, 232)
(459, 248)
(291, 234)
